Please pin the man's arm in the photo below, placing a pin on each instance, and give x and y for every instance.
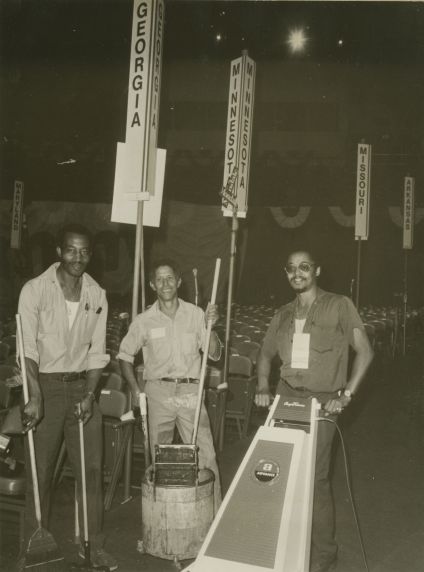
(34, 409)
(128, 373)
(363, 357)
(215, 345)
(263, 366)
(128, 349)
(97, 359)
(264, 362)
(28, 311)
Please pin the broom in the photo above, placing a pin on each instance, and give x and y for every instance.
(42, 548)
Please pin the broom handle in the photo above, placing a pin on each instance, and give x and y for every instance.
(34, 475)
(205, 356)
(83, 481)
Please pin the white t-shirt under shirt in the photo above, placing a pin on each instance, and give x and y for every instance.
(72, 308)
(299, 325)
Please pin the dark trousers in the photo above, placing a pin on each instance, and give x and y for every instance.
(59, 421)
(323, 544)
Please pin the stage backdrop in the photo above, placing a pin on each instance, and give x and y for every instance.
(194, 235)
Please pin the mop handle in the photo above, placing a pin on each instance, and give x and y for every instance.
(34, 475)
(83, 481)
(196, 287)
(205, 356)
(143, 411)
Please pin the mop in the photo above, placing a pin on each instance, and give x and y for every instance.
(87, 565)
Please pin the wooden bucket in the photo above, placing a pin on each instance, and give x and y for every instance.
(176, 519)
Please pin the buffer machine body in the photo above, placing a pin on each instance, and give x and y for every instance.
(264, 522)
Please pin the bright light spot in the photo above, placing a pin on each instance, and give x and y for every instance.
(297, 40)
(340, 42)
(218, 37)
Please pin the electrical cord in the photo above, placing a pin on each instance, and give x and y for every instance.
(349, 488)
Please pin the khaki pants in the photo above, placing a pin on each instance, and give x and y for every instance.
(171, 404)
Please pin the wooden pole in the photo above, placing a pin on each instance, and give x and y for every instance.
(405, 301)
(233, 252)
(358, 273)
(137, 277)
(138, 257)
(205, 356)
(142, 271)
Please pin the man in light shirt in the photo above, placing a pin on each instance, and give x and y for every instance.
(63, 313)
(312, 336)
(171, 334)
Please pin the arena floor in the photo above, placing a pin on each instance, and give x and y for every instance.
(384, 439)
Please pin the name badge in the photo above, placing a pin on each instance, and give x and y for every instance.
(156, 333)
(300, 351)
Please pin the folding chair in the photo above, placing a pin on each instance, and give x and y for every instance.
(241, 392)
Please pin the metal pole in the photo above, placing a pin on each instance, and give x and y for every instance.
(233, 251)
(405, 301)
(142, 269)
(137, 260)
(138, 275)
(358, 273)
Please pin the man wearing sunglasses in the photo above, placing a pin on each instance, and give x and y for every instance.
(312, 336)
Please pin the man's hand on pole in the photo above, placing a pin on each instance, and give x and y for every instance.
(212, 313)
(32, 413)
(84, 409)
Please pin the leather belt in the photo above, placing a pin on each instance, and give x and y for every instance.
(180, 379)
(72, 376)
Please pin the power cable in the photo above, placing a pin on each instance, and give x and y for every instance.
(349, 488)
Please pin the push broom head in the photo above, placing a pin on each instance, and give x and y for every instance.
(42, 550)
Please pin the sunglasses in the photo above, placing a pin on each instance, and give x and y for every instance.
(303, 267)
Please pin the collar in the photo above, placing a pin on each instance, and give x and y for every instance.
(318, 297)
(51, 276)
(182, 308)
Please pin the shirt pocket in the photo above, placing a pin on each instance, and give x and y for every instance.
(89, 322)
(159, 348)
(189, 343)
(47, 322)
(322, 340)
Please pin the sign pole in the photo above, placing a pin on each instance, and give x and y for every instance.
(233, 252)
(362, 215)
(358, 272)
(237, 167)
(405, 301)
(407, 243)
(140, 166)
(138, 261)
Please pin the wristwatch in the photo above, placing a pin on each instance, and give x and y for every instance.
(348, 393)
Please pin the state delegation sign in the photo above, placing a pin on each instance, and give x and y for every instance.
(408, 213)
(239, 136)
(136, 170)
(363, 188)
